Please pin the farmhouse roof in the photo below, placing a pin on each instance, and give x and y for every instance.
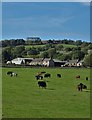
(19, 59)
(47, 59)
(37, 60)
(73, 61)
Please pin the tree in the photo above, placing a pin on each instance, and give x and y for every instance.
(88, 60)
(67, 49)
(59, 47)
(66, 57)
(52, 52)
(85, 50)
(78, 54)
(44, 54)
(18, 51)
(50, 41)
(5, 56)
(33, 51)
(90, 46)
(78, 42)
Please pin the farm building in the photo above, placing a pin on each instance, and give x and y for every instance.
(74, 63)
(58, 63)
(37, 61)
(48, 62)
(20, 61)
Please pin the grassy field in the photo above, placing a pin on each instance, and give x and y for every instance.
(22, 98)
(64, 45)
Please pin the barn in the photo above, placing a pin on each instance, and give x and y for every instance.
(58, 63)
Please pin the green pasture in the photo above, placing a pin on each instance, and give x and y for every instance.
(22, 98)
(36, 46)
(64, 45)
(68, 45)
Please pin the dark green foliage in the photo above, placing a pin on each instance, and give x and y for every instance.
(88, 60)
(18, 50)
(13, 42)
(68, 49)
(44, 54)
(78, 55)
(78, 42)
(33, 51)
(58, 49)
(51, 52)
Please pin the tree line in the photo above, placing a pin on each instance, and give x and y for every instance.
(16, 42)
(17, 48)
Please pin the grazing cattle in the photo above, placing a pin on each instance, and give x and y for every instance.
(78, 77)
(86, 78)
(84, 86)
(9, 72)
(14, 74)
(39, 77)
(81, 86)
(59, 75)
(47, 75)
(42, 84)
(43, 72)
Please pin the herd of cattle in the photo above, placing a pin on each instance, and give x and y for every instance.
(41, 83)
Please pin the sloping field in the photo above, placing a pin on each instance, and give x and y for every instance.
(64, 45)
(22, 98)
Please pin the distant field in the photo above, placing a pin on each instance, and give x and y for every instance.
(22, 98)
(29, 46)
(65, 45)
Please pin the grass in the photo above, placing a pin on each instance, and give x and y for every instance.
(22, 98)
(64, 45)
(36, 46)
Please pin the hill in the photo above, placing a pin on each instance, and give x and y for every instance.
(61, 50)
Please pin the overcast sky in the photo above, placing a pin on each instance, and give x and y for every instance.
(47, 20)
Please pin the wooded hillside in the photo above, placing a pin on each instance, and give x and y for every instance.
(58, 49)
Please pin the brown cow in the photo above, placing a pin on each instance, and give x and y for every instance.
(78, 77)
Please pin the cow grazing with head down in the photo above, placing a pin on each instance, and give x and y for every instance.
(47, 75)
(59, 75)
(42, 84)
(81, 86)
(78, 77)
(9, 72)
(12, 73)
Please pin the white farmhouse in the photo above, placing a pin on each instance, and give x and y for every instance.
(18, 61)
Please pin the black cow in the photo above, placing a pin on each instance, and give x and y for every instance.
(39, 77)
(81, 86)
(43, 72)
(9, 73)
(86, 78)
(42, 84)
(84, 86)
(59, 75)
(47, 75)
